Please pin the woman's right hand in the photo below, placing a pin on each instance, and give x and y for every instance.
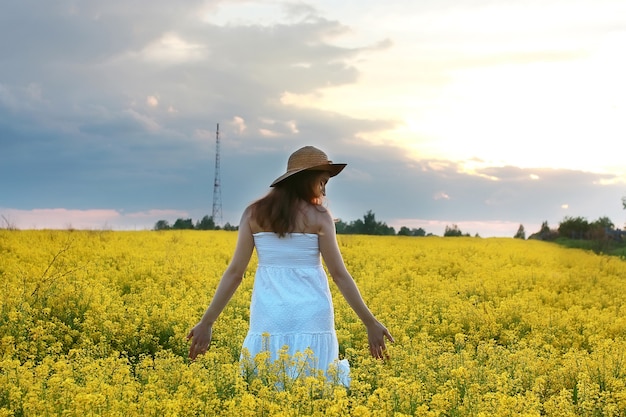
(200, 337)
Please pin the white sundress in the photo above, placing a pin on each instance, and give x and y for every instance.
(291, 302)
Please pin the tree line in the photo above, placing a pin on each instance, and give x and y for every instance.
(368, 225)
(206, 223)
(577, 228)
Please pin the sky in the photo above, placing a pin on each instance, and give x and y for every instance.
(482, 114)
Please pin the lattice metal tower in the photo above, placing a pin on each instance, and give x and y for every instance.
(217, 191)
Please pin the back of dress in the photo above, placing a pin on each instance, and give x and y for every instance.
(291, 303)
(293, 250)
(291, 292)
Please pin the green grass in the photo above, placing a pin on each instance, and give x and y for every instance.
(606, 247)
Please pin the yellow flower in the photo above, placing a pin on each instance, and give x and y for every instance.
(95, 322)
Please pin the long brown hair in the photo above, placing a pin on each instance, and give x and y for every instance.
(278, 210)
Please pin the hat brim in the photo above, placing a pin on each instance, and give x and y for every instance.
(332, 169)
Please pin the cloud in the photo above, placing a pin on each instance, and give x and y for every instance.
(441, 196)
(152, 101)
(172, 49)
(92, 219)
(393, 186)
(108, 111)
(238, 124)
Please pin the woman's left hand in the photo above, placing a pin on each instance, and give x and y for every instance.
(376, 335)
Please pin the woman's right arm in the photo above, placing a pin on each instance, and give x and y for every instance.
(201, 334)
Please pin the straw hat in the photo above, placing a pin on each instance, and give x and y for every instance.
(309, 158)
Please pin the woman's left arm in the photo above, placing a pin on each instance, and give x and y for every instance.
(376, 332)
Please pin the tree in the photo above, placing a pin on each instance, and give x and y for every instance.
(183, 224)
(452, 231)
(602, 223)
(369, 223)
(230, 228)
(366, 226)
(405, 231)
(356, 227)
(574, 228)
(521, 233)
(372, 227)
(162, 225)
(206, 223)
(341, 227)
(418, 232)
(545, 233)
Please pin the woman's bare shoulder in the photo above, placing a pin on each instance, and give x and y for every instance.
(317, 217)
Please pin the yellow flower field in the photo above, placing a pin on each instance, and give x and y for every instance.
(94, 323)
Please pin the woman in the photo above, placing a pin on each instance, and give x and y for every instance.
(291, 299)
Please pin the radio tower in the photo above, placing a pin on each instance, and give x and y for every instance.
(217, 192)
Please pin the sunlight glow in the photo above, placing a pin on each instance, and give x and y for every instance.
(171, 48)
(524, 89)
